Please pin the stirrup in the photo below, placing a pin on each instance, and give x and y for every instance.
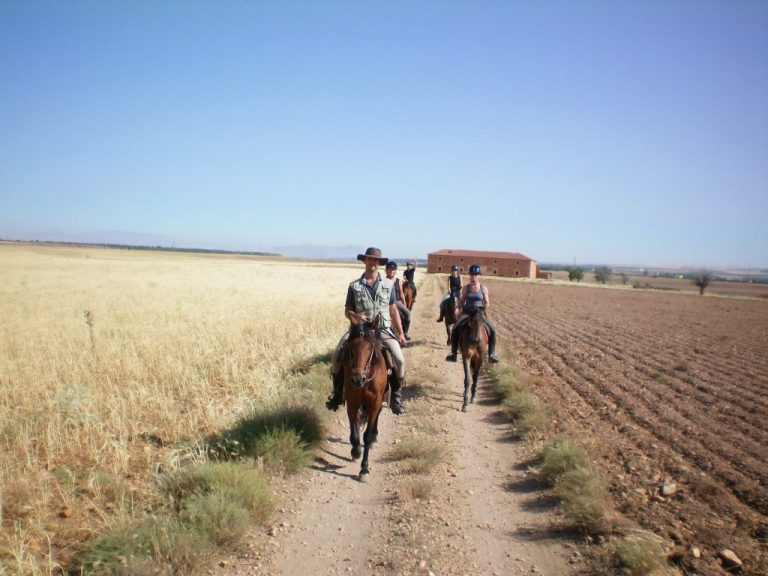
(493, 359)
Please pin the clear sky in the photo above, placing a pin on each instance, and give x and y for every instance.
(612, 132)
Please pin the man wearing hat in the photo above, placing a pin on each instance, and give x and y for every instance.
(370, 296)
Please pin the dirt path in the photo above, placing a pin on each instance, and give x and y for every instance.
(479, 511)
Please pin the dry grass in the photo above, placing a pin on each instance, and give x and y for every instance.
(115, 364)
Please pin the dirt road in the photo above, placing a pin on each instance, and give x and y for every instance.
(478, 512)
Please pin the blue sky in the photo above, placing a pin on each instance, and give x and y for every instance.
(597, 132)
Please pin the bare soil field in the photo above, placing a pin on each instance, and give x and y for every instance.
(667, 389)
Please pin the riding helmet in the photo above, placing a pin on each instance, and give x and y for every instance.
(454, 268)
(474, 269)
(391, 265)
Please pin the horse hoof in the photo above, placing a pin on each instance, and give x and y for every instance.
(364, 477)
(356, 454)
(472, 400)
(464, 408)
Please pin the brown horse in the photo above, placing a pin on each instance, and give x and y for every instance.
(473, 342)
(365, 383)
(449, 315)
(408, 292)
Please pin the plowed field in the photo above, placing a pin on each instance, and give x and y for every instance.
(664, 389)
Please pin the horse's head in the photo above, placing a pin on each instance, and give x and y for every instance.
(362, 353)
(476, 323)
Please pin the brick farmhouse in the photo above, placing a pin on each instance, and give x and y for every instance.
(507, 264)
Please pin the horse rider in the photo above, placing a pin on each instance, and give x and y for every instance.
(474, 296)
(454, 287)
(405, 314)
(410, 270)
(370, 296)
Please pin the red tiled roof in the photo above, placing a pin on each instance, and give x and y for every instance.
(480, 254)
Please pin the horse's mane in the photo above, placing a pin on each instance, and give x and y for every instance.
(366, 330)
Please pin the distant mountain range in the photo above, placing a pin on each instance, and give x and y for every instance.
(314, 252)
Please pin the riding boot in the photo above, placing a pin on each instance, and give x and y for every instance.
(492, 358)
(337, 398)
(395, 400)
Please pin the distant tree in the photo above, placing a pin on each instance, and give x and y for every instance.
(603, 274)
(702, 280)
(624, 278)
(575, 274)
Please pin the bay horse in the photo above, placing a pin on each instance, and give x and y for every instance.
(365, 383)
(408, 292)
(449, 315)
(473, 342)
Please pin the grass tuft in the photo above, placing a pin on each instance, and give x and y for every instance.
(419, 454)
(584, 499)
(155, 546)
(257, 436)
(282, 451)
(415, 489)
(560, 457)
(219, 517)
(641, 553)
(239, 482)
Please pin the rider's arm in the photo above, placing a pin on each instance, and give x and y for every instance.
(400, 295)
(486, 301)
(394, 313)
(462, 297)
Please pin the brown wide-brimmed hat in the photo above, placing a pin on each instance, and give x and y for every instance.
(373, 253)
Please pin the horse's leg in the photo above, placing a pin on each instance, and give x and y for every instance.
(353, 412)
(448, 332)
(466, 383)
(373, 416)
(475, 376)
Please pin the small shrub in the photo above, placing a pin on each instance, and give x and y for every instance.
(533, 425)
(240, 482)
(167, 545)
(559, 457)
(245, 438)
(220, 518)
(281, 451)
(515, 407)
(641, 554)
(584, 499)
(506, 382)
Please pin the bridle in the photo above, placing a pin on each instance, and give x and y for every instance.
(369, 362)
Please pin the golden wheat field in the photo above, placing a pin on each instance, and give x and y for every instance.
(112, 359)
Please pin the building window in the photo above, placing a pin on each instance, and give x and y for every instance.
(439, 268)
(517, 272)
(495, 272)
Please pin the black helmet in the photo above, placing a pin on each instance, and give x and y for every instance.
(474, 269)
(391, 265)
(454, 268)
